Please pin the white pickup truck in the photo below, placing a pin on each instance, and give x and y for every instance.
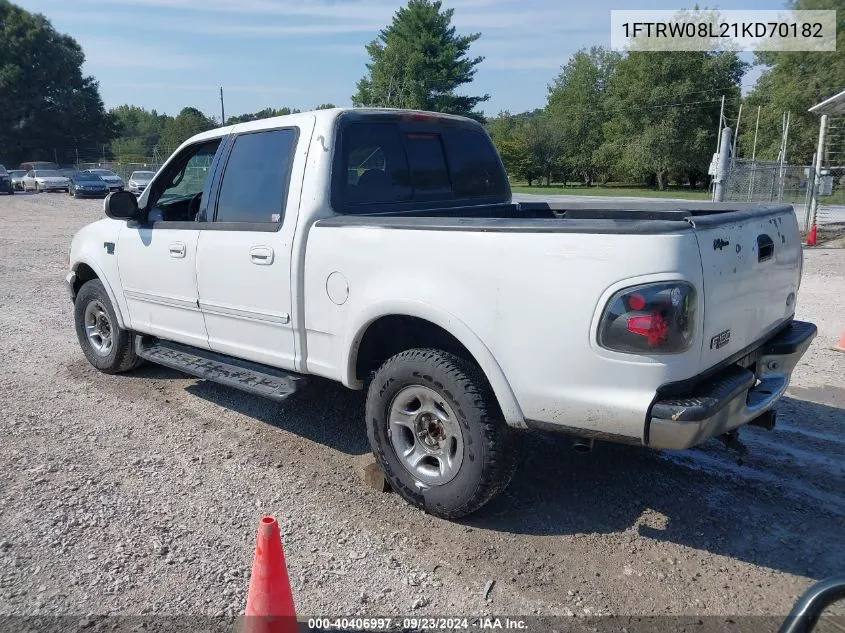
(382, 249)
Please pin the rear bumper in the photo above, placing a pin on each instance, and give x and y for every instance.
(735, 396)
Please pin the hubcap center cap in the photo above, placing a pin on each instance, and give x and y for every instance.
(431, 430)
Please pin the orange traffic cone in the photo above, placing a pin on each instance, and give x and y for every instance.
(841, 346)
(269, 605)
(813, 238)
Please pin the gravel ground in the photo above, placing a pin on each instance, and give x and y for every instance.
(142, 493)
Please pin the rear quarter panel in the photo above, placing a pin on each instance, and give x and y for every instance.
(525, 304)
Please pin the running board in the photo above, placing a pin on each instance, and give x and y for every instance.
(261, 380)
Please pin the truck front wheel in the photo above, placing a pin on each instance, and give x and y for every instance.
(106, 345)
(438, 434)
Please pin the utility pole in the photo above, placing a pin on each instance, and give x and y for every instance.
(736, 135)
(720, 124)
(756, 127)
(222, 110)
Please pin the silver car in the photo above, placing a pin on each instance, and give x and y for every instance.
(45, 180)
(139, 180)
(114, 181)
(17, 178)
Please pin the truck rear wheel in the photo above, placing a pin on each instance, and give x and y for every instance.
(106, 345)
(438, 434)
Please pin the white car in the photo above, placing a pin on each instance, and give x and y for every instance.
(45, 180)
(138, 181)
(114, 182)
(381, 249)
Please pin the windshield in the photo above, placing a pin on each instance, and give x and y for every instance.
(17, 173)
(47, 173)
(102, 172)
(88, 177)
(142, 175)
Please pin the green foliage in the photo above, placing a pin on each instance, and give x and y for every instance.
(419, 61)
(795, 82)
(138, 130)
(325, 106)
(46, 103)
(576, 107)
(530, 144)
(663, 112)
(188, 122)
(266, 113)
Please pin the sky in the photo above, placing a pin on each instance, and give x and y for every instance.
(168, 54)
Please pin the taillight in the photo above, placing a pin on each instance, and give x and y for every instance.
(654, 318)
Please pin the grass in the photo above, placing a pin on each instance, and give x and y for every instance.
(618, 190)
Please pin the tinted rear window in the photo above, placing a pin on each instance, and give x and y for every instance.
(474, 164)
(388, 164)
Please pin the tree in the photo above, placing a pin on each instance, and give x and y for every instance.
(794, 82)
(663, 112)
(266, 113)
(419, 62)
(576, 106)
(188, 122)
(47, 106)
(138, 131)
(325, 106)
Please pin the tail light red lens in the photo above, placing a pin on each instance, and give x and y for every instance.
(650, 319)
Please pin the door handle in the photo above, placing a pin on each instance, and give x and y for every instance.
(177, 249)
(261, 255)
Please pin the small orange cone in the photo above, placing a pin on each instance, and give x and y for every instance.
(813, 238)
(269, 605)
(841, 346)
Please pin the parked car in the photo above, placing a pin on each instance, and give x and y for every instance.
(138, 181)
(84, 184)
(382, 249)
(38, 164)
(45, 180)
(17, 178)
(114, 181)
(6, 181)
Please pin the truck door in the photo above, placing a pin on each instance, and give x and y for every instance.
(244, 252)
(157, 259)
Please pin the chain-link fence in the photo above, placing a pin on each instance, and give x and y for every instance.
(770, 181)
(124, 170)
(830, 196)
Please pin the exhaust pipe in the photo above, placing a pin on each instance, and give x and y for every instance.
(583, 445)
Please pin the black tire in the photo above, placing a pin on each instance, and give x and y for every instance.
(120, 356)
(489, 451)
(37, 188)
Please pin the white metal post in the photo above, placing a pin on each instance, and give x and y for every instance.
(723, 166)
(813, 211)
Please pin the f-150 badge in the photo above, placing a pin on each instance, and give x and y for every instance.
(720, 340)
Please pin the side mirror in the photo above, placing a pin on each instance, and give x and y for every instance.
(121, 205)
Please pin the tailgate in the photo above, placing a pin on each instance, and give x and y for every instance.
(751, 263)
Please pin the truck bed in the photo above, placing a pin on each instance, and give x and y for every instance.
(648, 217)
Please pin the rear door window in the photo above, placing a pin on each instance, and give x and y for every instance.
(255, 183)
